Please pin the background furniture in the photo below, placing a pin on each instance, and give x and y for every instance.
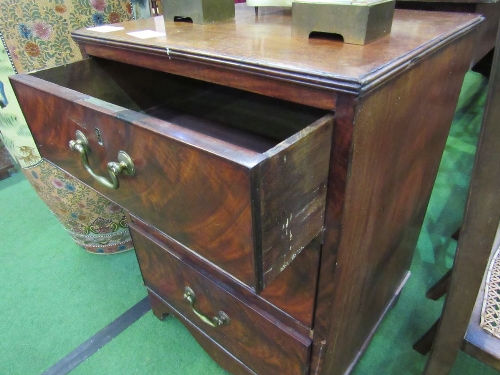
(249, 139)
(479, 239)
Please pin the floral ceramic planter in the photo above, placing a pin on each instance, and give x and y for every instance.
(37, 36)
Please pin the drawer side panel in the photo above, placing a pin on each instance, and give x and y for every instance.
(292, 195)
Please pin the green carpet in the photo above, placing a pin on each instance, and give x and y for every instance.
(151, 346)
(54, 296)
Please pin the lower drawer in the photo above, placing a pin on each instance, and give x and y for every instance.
(254, 337)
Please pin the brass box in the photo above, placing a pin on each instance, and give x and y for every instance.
(200, 11)
(358, 23)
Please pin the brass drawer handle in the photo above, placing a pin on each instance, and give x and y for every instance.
(219, 320)
(124, 164)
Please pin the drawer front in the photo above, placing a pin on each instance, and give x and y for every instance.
(196, 198)
(249, 212)
(255, 338)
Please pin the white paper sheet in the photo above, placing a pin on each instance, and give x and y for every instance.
(145, 34)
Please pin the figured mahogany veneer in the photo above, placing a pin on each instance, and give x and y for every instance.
(285, 180)
(291, 296)
(247, 201)
(254, 336)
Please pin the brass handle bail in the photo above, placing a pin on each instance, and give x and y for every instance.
(124, 165)
(218, 320)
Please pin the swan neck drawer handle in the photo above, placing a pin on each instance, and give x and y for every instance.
(219, 320)
(124, 164)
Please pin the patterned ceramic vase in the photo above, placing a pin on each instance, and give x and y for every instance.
(36, 35)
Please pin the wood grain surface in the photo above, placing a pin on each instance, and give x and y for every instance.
(290, 298)
(479, 237)
(226, 360)
(254, 337)
(339, 171)
(391, 101)
(259, 54)
(291, 196)
(211, 167)
(397, 142)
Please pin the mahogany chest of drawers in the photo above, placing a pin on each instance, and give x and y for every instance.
(276, 185)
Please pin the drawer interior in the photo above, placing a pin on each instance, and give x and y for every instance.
(254, 122)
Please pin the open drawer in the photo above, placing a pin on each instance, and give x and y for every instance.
(238, 178)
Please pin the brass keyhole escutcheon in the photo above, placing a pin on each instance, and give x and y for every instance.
(98, 136)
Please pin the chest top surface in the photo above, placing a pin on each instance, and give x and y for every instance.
(263, 45)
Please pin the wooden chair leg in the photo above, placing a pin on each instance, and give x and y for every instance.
(424, 344)
(483, 66)
(440, 288)
(456, 235)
